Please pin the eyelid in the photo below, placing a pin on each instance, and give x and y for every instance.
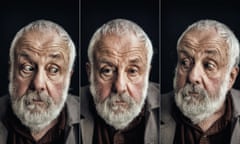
(107, 72)
(186, 62)
(54, 67)
(213, 65)
(133, 68)
(26, 69)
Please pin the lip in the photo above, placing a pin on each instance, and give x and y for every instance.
(121, 103)
(194, 94)
(37, 101)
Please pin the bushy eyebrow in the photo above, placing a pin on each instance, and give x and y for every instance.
(211, 52)
(183, 51)
(56, 56)
(105, 61)
(135, 61)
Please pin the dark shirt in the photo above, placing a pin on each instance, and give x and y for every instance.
(20, 134)
(133, 134)
(218, 133)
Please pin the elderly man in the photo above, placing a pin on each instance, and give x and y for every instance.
(120, 105)
(39, 109)
(203, 108)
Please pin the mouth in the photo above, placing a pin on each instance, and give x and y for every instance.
(120, 103)
(194, 94)
(38, 102)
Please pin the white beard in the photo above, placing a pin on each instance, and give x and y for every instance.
(115, 115)
(37, 117)
(198, 109)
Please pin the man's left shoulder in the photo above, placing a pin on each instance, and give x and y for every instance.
(73, 108)
(153, 89)
(73, 99)
(153, 94)
(235, 94)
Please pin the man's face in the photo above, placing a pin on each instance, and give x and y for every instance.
(119, 79)
(202, 77)
(40, 78)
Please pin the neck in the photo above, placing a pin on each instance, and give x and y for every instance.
(208, 122)
(38, 135)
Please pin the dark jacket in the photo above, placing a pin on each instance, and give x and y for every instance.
(168, 124)
(151, 135)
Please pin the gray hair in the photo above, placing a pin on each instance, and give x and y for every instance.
(224, 32)
(120, 27)
(44, 26)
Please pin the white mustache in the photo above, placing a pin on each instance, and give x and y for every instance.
(32, 96)
(189, 88)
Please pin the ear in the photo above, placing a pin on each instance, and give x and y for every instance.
(233, 76)
(88, 70)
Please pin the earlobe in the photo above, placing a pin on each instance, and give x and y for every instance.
(233, 76)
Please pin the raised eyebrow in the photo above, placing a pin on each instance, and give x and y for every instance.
(211, 52)
(135, 61)
(56, 56)
(185, 52)
(24, 54)
(105, 61)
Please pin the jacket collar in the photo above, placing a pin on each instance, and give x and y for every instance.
(73, 110)
(153, 96)
(235, 94)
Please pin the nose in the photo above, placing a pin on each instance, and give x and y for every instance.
(39, 81)
(120, 84)
(195, 74)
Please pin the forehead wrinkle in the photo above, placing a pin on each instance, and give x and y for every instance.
(31, 55)
(119, 53)
(208, 52)
(200, 46)
(53, 51)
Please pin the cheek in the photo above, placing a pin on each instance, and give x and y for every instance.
(21, 86)
(135, 90)
(55, 89)
(212, 85)
(181, 78)
(103, 88)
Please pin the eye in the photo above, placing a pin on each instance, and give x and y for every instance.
(26, 70)
(133, 71)
(186, 63)
(53, 69)
(210, 66)
(107, 72)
